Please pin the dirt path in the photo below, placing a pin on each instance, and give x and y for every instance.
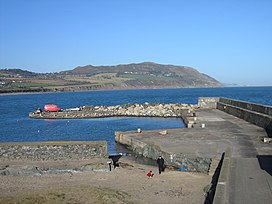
(126, 184)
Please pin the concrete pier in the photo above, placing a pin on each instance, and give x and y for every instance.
(246, 175)
(220, 132)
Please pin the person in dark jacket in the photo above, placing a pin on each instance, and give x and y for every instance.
(160, 162)
(115, 159)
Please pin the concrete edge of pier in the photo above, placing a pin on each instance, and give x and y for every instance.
(220, 195)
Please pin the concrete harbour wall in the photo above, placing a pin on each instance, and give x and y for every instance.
(207, 102)
(262, 109)
(149, 150)
(257, 114)
(52, 151)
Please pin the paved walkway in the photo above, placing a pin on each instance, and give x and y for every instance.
(250, 179)
(250, 175)
(248, 182)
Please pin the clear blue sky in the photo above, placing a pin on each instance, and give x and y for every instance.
(230, 40)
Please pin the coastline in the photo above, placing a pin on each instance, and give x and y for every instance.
(120, 89)
(124, 89)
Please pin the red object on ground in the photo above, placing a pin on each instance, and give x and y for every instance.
(51, 108)
(150, 174)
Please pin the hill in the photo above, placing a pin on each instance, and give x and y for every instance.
(124, 76)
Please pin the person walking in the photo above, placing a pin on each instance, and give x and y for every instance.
(160, 162)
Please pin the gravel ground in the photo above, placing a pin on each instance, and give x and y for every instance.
(125, 184)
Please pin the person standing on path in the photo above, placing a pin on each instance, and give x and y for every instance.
(160, 162)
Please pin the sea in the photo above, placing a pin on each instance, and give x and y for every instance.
(16, 126)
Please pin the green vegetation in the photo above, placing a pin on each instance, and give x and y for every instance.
(81, 194)
(105, 77)
(4, 75)
(145, 77)
(28, 85)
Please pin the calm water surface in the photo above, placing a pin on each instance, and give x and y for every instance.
(16, 126)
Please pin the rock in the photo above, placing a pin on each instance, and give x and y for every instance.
(164, 132)
(267, 140)
(146, 110)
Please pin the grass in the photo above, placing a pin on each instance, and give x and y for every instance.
(4, 75)
(98, 78)
(28, 84)
(80, 194)
(146, 77)
(77, 82)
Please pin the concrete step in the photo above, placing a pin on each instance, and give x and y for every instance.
(214, 163)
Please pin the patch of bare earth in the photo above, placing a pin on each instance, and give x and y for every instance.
(125, 184)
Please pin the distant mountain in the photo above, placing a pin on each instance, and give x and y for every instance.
(149, 74)
(124, 76)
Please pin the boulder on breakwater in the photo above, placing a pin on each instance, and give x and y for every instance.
(127, 110)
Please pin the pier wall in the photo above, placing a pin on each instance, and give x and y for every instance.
(207, 102)
(175, 160)
(262, 109)
(257, 114)
(52, 151)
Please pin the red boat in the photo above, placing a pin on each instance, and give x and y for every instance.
(51, 108)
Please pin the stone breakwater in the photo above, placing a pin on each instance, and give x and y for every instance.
(36, 158)
(52, 151)
(127, 110)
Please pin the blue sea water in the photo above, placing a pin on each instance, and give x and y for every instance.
(15, 126)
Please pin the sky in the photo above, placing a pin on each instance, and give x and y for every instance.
(230, 40)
